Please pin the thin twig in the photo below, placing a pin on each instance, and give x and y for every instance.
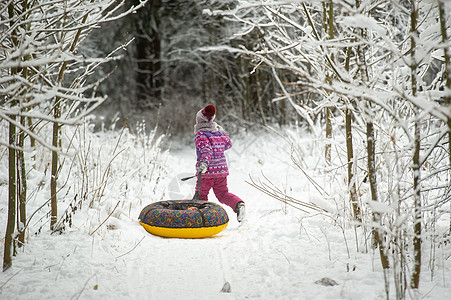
(1, 287)
(106, 218)
(314, 183)
(77, 295)
(279, 195)
(132, 248)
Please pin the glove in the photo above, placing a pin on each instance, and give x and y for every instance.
(202, 168)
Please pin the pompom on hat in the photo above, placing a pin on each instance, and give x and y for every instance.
(209, 111)
(205, 119)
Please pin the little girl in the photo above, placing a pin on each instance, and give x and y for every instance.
(211, 142)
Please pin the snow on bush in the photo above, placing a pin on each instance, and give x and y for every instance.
(104, 177)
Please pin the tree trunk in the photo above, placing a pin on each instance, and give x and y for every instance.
(416, 156)
(371, 153)
(351, 181)
(21, 171)
(374, 196)
(32, 141)
(54, 175)
(417, 215)
(22, 180)
(10, 226)
(330, 29)
(328, 148)
(260, 94)
(148, 55)
(247, 91)
(55, 135)
(350, 154)
(445, 39)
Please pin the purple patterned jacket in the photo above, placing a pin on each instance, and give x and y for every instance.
(210, 147)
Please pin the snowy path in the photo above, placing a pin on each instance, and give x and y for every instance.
(278, 253)
(184, 270)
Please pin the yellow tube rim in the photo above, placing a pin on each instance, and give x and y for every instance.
(184, 233)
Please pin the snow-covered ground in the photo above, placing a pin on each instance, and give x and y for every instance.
(278, 253)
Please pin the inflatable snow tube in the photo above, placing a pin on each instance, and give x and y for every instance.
(184, 218)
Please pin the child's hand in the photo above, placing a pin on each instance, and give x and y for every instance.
(202, 168)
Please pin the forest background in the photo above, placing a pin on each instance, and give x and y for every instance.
(369, 80)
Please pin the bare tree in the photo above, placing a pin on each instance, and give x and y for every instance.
(369, 116)
(10, 228)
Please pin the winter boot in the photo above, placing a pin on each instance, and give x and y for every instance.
(240, 210)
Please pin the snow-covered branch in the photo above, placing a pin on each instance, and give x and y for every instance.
(41, 41)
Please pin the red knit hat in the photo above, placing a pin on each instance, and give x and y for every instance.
(209, 111)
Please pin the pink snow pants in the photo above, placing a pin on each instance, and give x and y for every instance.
(220, 189)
